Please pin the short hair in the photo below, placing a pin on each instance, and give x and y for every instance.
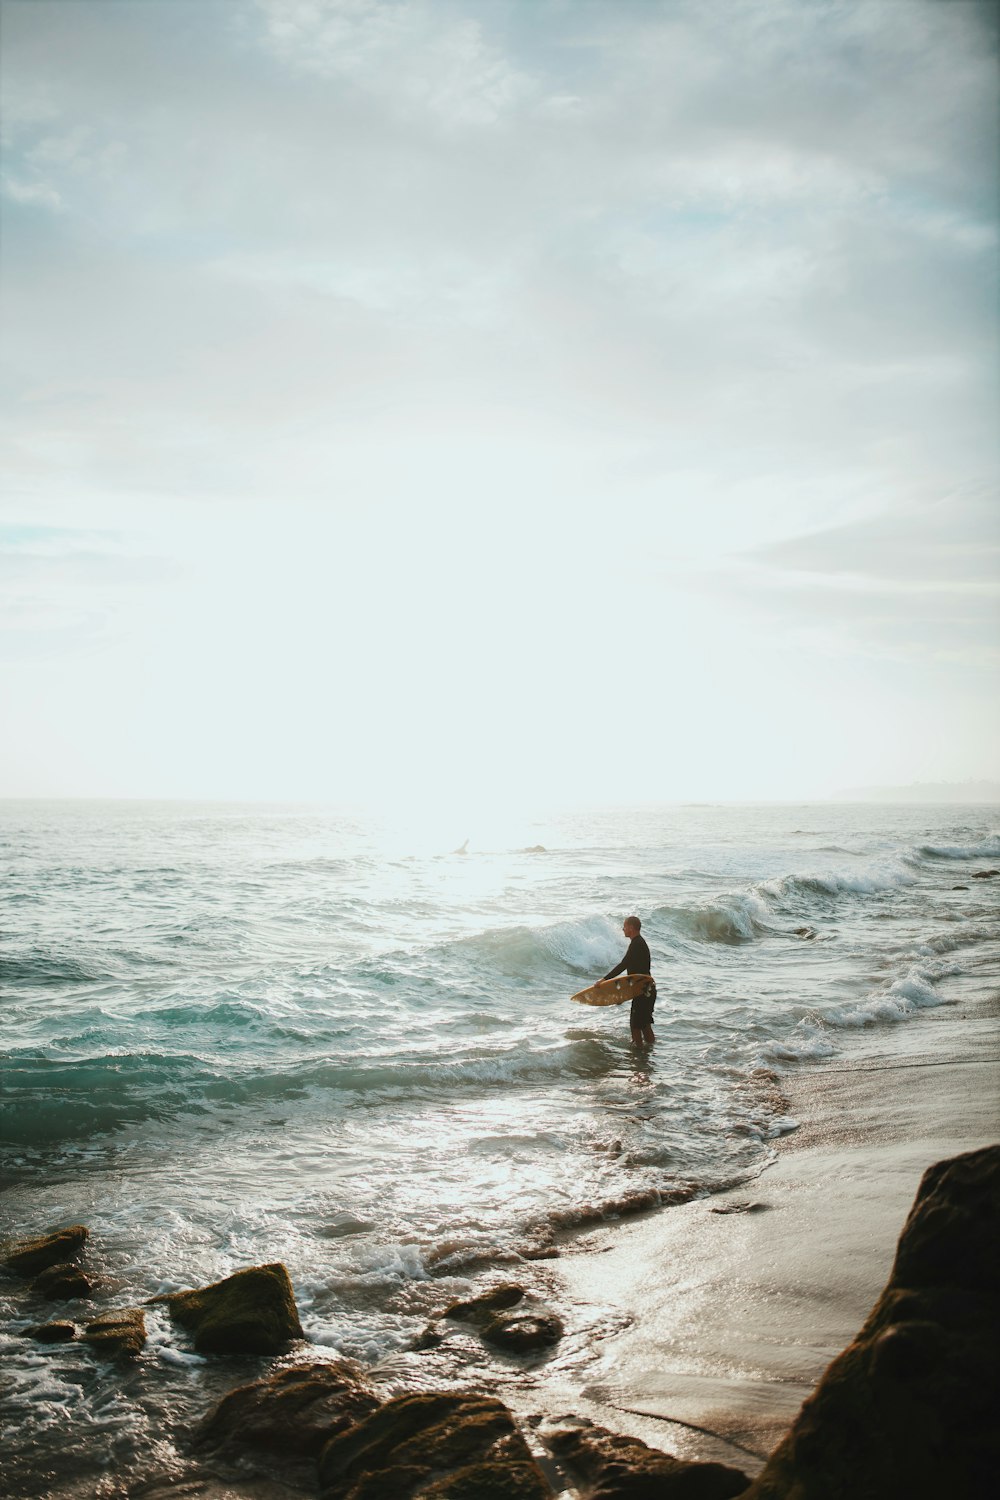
(633, 922)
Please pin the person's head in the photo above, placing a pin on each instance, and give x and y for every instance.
(631, 927)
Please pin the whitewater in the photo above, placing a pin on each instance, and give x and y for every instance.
(239, 1034)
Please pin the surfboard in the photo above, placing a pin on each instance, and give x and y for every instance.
(614, 991)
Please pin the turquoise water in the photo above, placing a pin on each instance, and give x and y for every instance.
(237, 1034)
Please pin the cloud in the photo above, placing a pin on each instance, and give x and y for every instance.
(64, 590)
(517, 303)
(914, 582)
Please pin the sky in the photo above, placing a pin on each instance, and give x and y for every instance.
(408, 401)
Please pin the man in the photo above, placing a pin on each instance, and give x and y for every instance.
(637, 961)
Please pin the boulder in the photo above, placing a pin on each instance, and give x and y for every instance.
(449, 1446)
(523, 1332)
(622, 1468)
(29, 1257)
(908, 1409)
(53, 1333)
(295, 1410)
(984, 874)
(251, 1312)
(122, 1332)
(63, 1283)
(476, 1309)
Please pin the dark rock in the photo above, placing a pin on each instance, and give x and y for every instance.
(122, 1332)
(741, 1208)
(63, 1283)
(429, 1338)
(908, 1409)
(507, 1294)
(984, 874)
(622, 1468)
(960, 887)
(251, 1312)
(53, 1333)
(29, 1257)
(296, 1410)
(449, 1446)
(523, 1332)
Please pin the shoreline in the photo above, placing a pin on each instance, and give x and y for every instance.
(720, 1315)
(701, 1329)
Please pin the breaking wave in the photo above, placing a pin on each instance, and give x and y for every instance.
(988, 848)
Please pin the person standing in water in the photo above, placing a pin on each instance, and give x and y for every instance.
(637, 961)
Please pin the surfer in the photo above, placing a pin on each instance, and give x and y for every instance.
(637, 961)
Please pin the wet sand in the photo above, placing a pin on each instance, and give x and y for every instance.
(718, 1324)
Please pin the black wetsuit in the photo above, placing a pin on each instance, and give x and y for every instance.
(638, 961)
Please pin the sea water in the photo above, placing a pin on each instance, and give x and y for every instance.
(240, 1034)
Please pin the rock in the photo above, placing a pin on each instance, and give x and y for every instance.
(908, 1409)
(296, 1410)
(624, 1467)
(53, 1333)
(28, 1257)
(251, 1312)
(741, 1208)
(984, 874)
(429, 1338)
(441, 1446)
(63, 1283)
(523, 1332)
(122, 1332)
(507, 1294)
(960, 887)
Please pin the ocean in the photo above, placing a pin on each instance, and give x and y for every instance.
(234, 1034)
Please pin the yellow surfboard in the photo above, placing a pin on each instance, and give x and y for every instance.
(614, 991)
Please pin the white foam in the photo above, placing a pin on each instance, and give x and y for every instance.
(895, 1001)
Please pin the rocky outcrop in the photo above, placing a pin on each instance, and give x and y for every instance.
(495, 1299)
(53, 1333)
(119, 1334)
(293, 1411)
(30, 1257)
(441, 1446)
(528, 1329)
(622, 1468)
(523, 1332)
(908, 1409)
(62, 1283)
(251, 1312)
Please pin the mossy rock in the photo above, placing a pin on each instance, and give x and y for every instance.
(63, 1283)
(523, 1332)
(624, 1468)
(475, 1309)
(417, 1442)
(250, 1312)
(53, 1333)
(121, 1333)
(496, 1481)
(295, 1410)
(29, 1257)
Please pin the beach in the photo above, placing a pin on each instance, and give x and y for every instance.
(736, 1304)
(241, 1035)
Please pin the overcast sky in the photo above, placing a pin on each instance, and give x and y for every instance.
(416, 399)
